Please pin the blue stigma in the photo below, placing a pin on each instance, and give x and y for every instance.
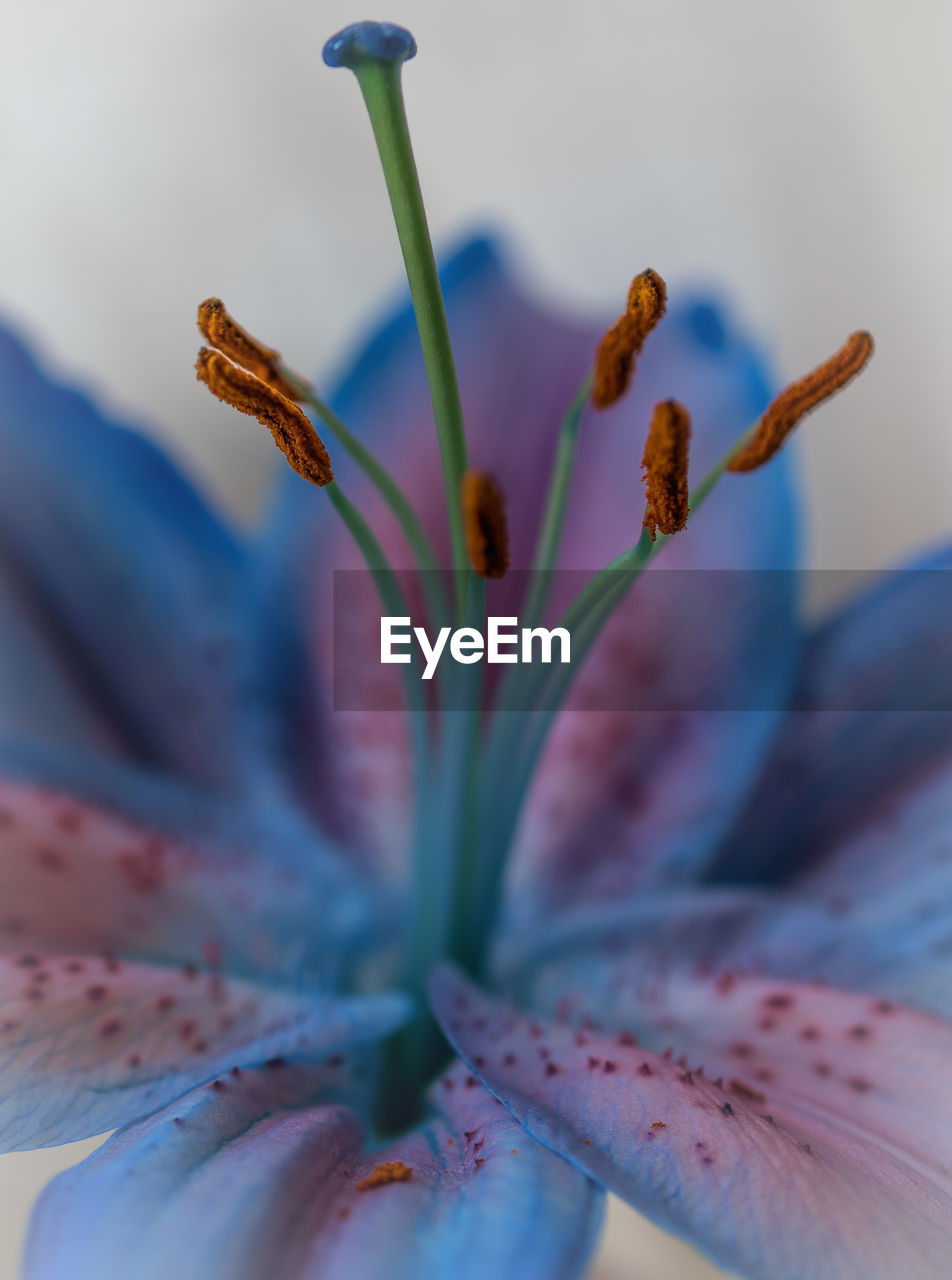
(369, 42)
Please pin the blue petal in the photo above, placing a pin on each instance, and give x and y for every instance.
(43, 698)
(246, 1180)
(870, 720)
(129, 572)
(798, 1174)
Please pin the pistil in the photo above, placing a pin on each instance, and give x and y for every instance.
(375, 52)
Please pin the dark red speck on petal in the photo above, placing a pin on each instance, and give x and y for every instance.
(51, 860)
(780, 1000)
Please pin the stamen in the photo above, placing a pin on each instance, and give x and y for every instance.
(484, 524)
(292, 430)
(220, 330)
(793, 403)
(622, 343)
(665, 464)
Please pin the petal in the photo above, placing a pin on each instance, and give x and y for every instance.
(885, 887)
(257, 1187)
(86, 1045)
(627, 797)
(870, 720)
(802, 1173)
(131, 572)
(894, 944)
(163, 874)
(43, 699)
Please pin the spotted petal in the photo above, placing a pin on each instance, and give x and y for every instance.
(127, 574)
(253, 1181)
(160, 873)
(821, 1153)
(86, 1045)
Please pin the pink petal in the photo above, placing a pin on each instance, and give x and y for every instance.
(822, 1151)
(76, 878)
(244, 1179)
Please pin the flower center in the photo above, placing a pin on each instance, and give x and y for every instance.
(473, 765)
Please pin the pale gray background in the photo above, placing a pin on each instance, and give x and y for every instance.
(794, 152)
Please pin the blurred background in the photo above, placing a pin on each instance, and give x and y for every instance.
(794, 155)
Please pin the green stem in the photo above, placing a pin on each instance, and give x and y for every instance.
(447, 845)
(398, 502)
(380, 84)
(395, 602)
(465, 721)
(553, 520)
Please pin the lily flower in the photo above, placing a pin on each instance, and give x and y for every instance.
(375, 992)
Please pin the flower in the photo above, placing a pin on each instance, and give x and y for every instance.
(224, 903)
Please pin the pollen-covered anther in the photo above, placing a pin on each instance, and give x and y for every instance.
(795, 401)
(665, 464)
(221, 330)
(292, 430)
(484, 524)
(384, 1174)
(622, 343)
